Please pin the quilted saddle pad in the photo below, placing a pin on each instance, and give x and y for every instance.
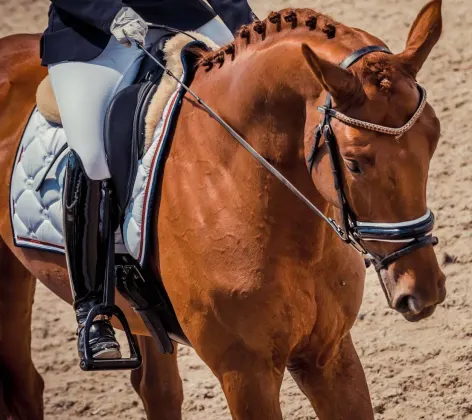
(36, 197)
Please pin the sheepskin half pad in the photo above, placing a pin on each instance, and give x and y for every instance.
(36, 208)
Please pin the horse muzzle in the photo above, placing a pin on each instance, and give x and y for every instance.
(414, 290)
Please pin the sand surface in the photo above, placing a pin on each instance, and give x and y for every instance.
(415, 371)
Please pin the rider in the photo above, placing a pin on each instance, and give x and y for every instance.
(91, 53)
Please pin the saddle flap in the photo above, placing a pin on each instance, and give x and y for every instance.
(125, 123)
(124, 136)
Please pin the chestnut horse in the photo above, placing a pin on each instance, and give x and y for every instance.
(258, 282)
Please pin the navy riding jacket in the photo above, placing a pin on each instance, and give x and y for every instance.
(79, 30)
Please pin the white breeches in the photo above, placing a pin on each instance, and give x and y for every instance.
(84, 91)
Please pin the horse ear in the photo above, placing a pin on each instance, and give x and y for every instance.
(423, 36)
(343, 86)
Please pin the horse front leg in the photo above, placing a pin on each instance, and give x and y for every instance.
(337, 390)
(251, 385)
(158, 382)
(249, 373)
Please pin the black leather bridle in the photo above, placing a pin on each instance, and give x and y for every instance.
(414, 233)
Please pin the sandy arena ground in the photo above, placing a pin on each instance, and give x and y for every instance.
(415, 371)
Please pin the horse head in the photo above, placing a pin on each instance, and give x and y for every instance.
(384, 177)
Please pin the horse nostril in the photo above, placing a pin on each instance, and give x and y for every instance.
(402, 304)
(414, 305)
(408, 304)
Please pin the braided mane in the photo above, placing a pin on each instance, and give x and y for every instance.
(258, 31)
(378, 71)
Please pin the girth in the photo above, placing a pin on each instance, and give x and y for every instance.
(415, 233)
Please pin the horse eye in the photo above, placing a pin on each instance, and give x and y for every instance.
(353, 166)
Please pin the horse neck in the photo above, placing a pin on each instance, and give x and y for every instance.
(264, 94)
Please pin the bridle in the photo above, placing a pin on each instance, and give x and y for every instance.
(413, 233)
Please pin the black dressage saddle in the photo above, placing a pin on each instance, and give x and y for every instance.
(125, 122)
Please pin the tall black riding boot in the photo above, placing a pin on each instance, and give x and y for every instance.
(87, 229)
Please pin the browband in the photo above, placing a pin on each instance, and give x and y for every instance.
(397, 132)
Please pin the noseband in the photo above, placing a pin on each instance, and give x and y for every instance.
(413, 233)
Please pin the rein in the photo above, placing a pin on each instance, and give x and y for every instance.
(415, 233)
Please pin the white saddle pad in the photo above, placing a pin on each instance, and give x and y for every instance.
(37, 214)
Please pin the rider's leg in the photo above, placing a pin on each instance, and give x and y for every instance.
(83, 92)
(87, 233)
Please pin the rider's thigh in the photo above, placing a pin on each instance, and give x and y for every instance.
(83, 92)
